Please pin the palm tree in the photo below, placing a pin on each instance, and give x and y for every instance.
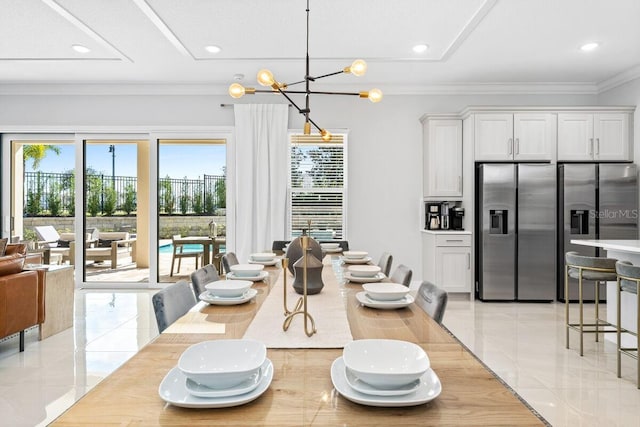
(37, 152)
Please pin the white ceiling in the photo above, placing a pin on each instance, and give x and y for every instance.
(509, 44)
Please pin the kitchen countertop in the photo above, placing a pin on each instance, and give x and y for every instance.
(631, 246)
(446, 231)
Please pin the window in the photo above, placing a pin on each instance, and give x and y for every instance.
(317, 183)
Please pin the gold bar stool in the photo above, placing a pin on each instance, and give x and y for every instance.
(594, 269)
(628, 281)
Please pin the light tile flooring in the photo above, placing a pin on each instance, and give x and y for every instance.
(522, 343)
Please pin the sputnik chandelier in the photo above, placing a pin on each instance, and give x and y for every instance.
(265, 78)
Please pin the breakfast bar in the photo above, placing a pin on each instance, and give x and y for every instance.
(622, 250)
(302, 392)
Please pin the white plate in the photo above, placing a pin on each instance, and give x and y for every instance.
(216, 300)
(267, 263)
(429, 388)
(357, 279)
(200, 390)
(263, 275)
(332, 250)
(356, 260)
(384, 305)
(173, 389)
(362, 387)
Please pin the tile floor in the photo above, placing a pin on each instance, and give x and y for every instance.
(522, 343)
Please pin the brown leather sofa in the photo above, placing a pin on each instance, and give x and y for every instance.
(21, 294)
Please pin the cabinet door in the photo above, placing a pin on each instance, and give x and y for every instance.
(534, 136)
(494, 137)
(611, 133)
(443, 159)
(453, 268)
(575, 137)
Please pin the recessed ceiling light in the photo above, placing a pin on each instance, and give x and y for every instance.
(212, 49)
(589, 47)
(419, 48)
(80, 49)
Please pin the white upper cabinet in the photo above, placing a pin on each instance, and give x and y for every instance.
(515, 137)
(442, 157)
(593, 136)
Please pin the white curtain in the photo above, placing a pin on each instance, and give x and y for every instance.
(260, 176)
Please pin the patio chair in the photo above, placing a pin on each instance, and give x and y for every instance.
(179, 253)
(172, 302)
(60, 244)
(112, 246)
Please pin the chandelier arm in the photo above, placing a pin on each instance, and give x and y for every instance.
(328, 75)
(314, 124)
(313, 92)
(301, 111)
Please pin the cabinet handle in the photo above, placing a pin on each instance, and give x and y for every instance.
(517, 145)
(590, 146)
(510, 145)
(597, 145)
(468, 261)
(454, 240)
(460, 183)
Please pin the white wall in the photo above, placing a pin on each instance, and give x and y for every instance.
(385, 145)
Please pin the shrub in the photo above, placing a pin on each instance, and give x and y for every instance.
(110, 199)
(130, 203)
(54, 201)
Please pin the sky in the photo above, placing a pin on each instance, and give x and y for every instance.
(177, 161)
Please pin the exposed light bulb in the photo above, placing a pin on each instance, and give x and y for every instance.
(236, 90)
(265, 78)
(325, 135)
(357, 68)
(375, 95)
(589, 47)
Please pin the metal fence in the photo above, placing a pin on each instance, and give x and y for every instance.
(53, 194)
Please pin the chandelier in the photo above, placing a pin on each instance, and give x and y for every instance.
(265, 78)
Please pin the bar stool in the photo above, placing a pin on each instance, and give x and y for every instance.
(587, 268)
(628, 281)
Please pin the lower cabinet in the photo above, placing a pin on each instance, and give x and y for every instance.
(447, 260)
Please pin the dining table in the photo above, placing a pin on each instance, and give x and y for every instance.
(302, 392)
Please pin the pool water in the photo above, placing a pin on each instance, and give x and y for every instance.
(168, 249)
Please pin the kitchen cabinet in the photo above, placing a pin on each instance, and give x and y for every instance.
(594, 137)
(515, 137)
(447, 260)
(442, 145)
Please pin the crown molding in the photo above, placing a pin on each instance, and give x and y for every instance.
(619, 79)
(199, 89)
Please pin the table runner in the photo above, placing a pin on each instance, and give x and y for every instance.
(327, 308)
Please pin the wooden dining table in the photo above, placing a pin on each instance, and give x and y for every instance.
(302, 392)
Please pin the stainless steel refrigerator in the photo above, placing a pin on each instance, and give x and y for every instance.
(596, 201)
(517, 243)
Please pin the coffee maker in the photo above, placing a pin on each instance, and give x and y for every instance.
(444, 216)
(432, 216)
(456, 215)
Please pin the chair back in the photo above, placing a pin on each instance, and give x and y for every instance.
(172, 302)
(627, 271)
(228, 260)
(433, 300)
(385, 263)
(201, 277)
(402, 274)
(47, 233)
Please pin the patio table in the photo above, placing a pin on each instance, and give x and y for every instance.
(205, 241)
(302, 392)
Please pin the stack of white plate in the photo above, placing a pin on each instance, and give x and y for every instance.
(228, 292)
(364, 273)
(356, 257)
(253, 272)
(385, 295)
(330, 247)
(264, 258)
(380, 372)
(218, 374)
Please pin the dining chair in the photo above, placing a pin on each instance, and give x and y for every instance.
(228, 260)
(433, 300)
(628, 281)
(172, 302)
(385, 263)
(587, 268)
(179, 253)
(202, 276)
(402, 274)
